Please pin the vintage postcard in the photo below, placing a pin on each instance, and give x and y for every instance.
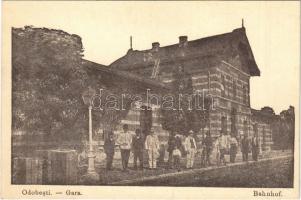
(150, 100)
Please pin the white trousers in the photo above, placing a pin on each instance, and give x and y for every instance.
(190, 158)
(152, 158)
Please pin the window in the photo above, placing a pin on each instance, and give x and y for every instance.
(234, 88)
(245, 96)
(246, 128)
(233, 122)
(209, 81)
(223, 86)
(255, 129)
(263, 139)
(224, 124)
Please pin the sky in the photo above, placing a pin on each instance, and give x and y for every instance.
(273, 30)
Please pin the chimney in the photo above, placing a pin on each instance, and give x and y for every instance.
(183, 41)
(155, 46)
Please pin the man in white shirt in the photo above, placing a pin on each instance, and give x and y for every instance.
(190, 147)
(125, 142)
(233, 148)
(152, 145)
(223, 145)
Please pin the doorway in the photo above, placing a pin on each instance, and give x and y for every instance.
(146, 120)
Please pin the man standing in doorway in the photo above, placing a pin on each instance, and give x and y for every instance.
(125, 142)
(255, 148)
(245, 148)
(152, 146)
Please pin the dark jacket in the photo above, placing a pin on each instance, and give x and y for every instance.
(207, 142)
(171, 144)
(245, 145)
(137, 143)
(109, 145)
(178, 142)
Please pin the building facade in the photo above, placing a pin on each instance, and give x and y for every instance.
(219, 66)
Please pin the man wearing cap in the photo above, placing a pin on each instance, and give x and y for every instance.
(152, 146)
(125, 142)
(190, 147)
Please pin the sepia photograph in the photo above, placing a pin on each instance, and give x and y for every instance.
(175, 95)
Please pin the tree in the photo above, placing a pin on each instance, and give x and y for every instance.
(47, 77)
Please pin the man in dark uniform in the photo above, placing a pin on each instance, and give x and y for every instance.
(207, 144)
(109, 147)
(170, 148)
(233, 148)
(138, 144)
(245, 148)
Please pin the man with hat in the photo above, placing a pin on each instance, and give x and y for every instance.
(152, 146)
(190, 147)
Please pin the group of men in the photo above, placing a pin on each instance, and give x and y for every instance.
(226, 143)
(177, 147)
(137, 144)
(245, 147)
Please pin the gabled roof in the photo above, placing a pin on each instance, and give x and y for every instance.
(223, 46)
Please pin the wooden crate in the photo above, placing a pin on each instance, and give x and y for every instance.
(45, 155)
(64, 167)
